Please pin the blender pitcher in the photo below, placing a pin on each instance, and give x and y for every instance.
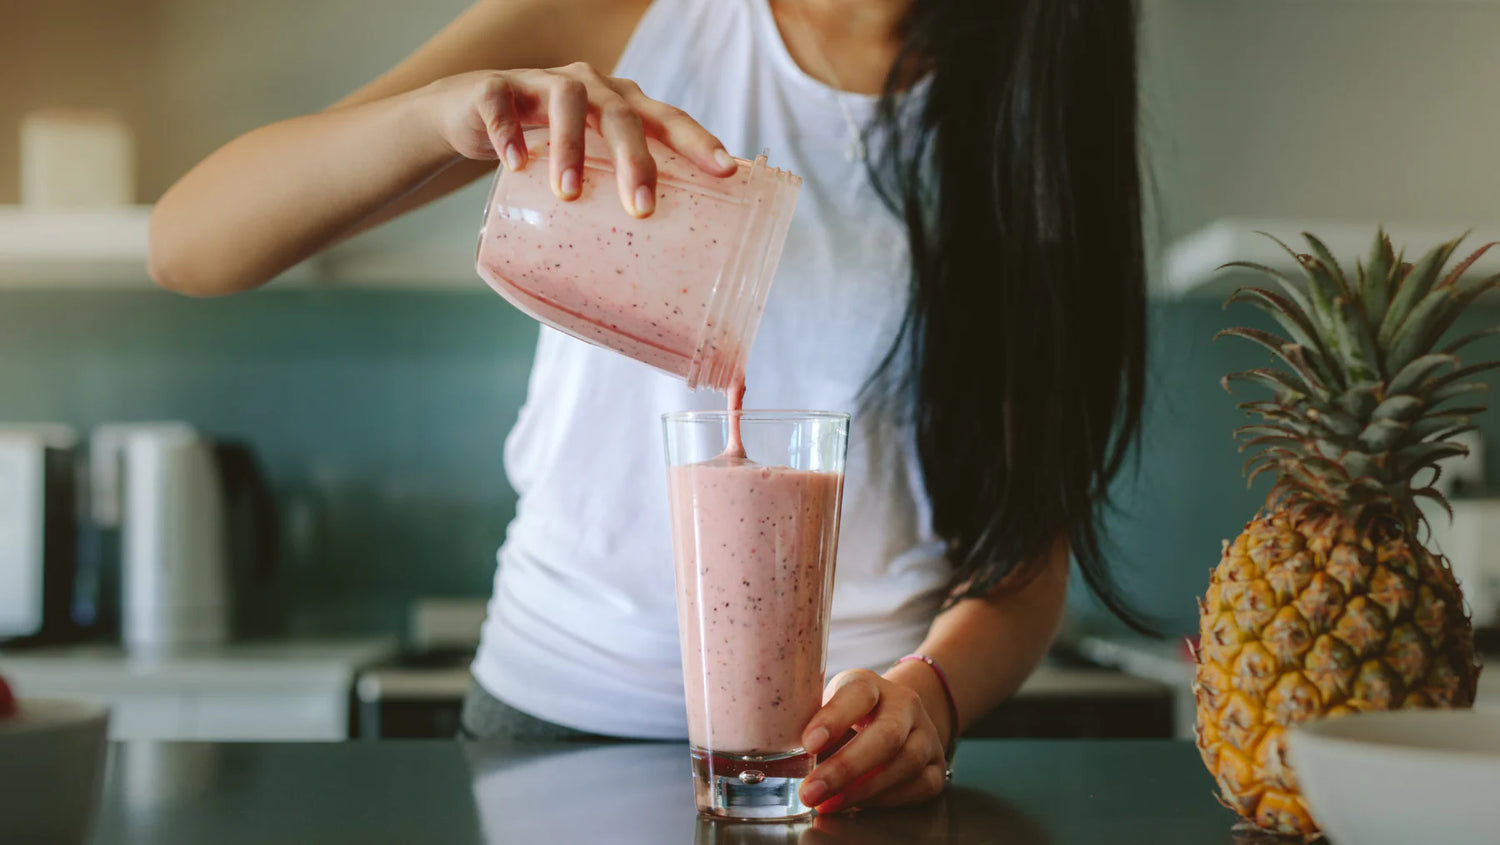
(682, 290)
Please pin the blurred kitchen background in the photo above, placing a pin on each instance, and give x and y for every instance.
(375, 385)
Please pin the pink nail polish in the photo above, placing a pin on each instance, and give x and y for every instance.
(645, 200)
(723, 159)
(570, 185)
(513, 158)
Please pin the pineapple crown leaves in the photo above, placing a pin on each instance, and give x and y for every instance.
(1361, 402)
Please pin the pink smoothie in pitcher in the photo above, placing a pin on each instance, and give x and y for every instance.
(634, 285)
(682, 290)
(754, 548)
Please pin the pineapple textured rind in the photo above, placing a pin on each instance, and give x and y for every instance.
(1327, 603)
(1293, 627)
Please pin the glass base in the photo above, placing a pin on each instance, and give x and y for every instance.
(751, 787)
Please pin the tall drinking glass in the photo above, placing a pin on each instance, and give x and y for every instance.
(754, 535)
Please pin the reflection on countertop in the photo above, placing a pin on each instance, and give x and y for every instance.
(960, 815)
(597, 793)
(1012, 792)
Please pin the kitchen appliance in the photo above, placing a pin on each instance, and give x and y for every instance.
(38, 561)
(183, 505)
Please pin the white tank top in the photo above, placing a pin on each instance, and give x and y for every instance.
(582, 628)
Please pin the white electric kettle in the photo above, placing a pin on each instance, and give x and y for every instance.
(172, 493)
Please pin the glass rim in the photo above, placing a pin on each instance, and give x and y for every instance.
(753, 416)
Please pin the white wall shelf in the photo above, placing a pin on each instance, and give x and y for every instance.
(86, 249)
(97, 249)
(105, 249)
(1190, 266)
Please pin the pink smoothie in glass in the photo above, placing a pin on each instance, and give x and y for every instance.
(754, 548)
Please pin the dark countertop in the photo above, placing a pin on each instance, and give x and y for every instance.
(1019, 792)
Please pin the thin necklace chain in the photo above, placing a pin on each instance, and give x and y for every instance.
(856, 149)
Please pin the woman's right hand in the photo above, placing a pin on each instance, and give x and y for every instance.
(482, 115)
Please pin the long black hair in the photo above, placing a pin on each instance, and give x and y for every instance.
(1021, 361)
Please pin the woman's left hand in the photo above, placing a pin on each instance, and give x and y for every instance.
(895, 757)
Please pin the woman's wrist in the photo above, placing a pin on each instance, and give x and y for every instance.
(930, 688)
(426, 111)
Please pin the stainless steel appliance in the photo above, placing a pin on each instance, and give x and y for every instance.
(38, 560)
(184, 505)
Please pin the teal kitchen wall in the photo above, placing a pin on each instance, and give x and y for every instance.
(381, 418)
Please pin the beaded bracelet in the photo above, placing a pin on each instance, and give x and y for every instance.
(947, 693)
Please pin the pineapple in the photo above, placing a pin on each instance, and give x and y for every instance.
(1328, 603)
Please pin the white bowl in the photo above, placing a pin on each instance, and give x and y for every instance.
(51, 770)
(1403, 776)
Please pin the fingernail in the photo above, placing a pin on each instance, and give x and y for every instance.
(813, 792)
(570, 187)
(513, 158)
(645, 200)
(723, 159)
(816, 740)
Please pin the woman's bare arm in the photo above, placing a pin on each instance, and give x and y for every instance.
(276, 195)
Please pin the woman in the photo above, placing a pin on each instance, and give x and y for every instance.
(965, 271)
